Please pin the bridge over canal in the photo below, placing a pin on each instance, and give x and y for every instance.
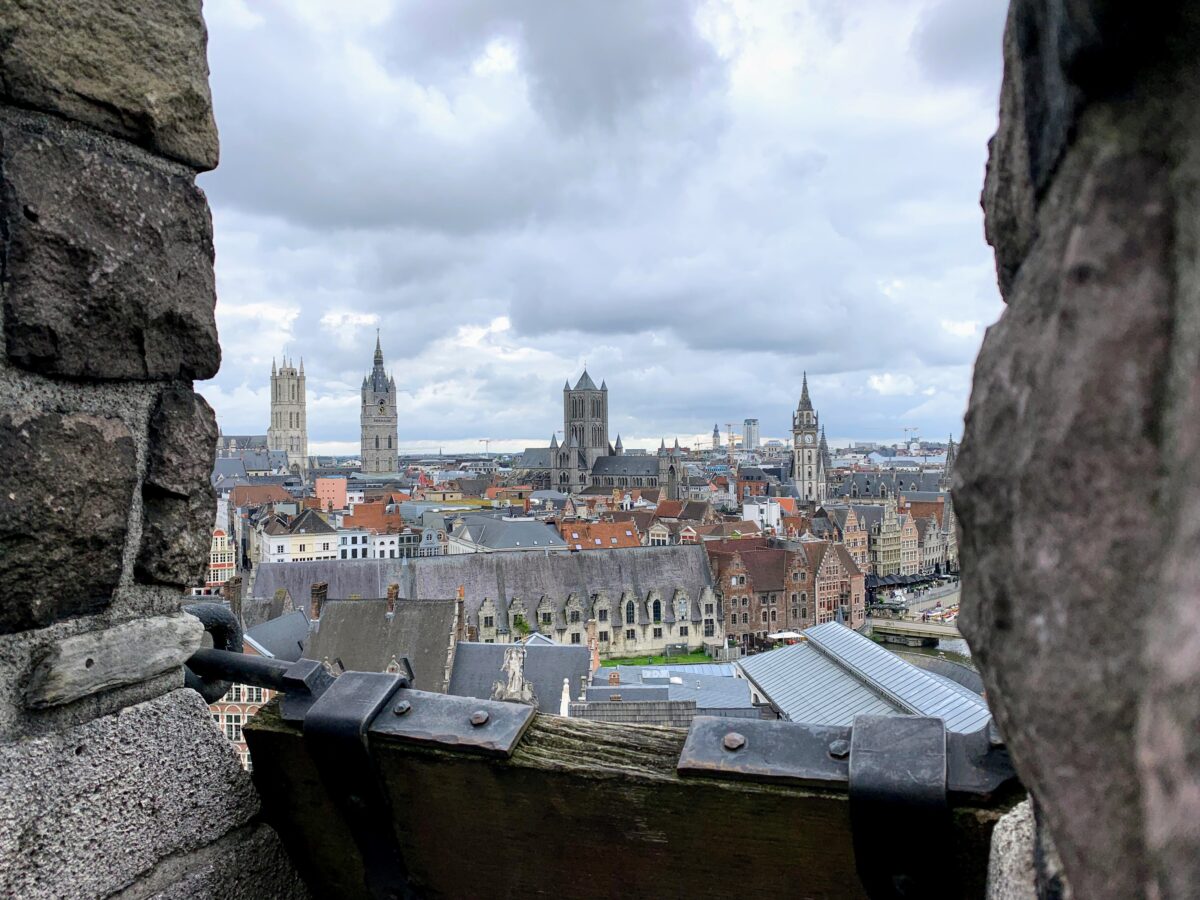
(906, 631)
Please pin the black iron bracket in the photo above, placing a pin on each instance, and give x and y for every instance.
(897, 792)
(900, 773)
(335, 730)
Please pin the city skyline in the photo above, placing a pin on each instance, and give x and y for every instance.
(696, 440)
(733, 194)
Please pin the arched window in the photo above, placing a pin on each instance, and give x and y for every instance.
(656, 611)
(630, 613)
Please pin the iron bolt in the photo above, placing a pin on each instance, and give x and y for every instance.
(479, 717)
(734, 741)
(401, 708)
(839, 749)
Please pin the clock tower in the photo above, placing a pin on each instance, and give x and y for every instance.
(379, 419)
(808, 458)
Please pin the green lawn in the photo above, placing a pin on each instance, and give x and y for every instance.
(700, 657)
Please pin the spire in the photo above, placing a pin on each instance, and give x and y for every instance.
(272, 367)
(554, 442)
(585, 382)
(805, 402)
(676, 445)
(620, 448)
(566, 386)
(824, 450)
(604, 386)
(302, 365)
(378, 379)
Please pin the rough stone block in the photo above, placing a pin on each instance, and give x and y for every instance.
(107, 259)
(178, 504)
(136, 69)
(183, 439)
(85, 812)
(1059, 539)
(96, 661)
(248, 863)
(66, 485)
(176, 537)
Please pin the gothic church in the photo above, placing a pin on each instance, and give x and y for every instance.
(585, 461)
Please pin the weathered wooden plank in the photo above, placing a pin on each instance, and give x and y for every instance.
(588, 810)
(86, 664)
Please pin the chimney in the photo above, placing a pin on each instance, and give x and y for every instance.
(614, 678)
(593, 644)
(232, 590)
(393, 594)
(320, 592)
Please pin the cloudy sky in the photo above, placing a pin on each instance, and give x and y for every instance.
(700, 199)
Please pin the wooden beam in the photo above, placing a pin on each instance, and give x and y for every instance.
(583, 809)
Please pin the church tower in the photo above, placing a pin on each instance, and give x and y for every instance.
(288, 430)
(808, 462)
(585, 418)
(379, 418)
(716, 437)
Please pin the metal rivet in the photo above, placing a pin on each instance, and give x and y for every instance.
(401, 708)
(839, 749)
(734, 741)
(479, 717)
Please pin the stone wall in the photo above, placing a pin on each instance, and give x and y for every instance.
(1078, 484)
(112, 777)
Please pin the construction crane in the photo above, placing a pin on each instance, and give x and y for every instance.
(487, 445)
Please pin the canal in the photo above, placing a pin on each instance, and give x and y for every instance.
(955, 650)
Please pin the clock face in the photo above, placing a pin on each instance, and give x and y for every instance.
(808, 439)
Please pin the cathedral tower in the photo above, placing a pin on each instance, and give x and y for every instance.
(808, 459)
(288, 430)
(379, 418)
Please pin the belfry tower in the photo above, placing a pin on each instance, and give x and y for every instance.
(379, 418)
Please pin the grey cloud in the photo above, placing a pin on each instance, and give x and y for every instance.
(958, 41)
(699, 256)
(587, 63)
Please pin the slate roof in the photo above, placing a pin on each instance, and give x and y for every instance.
(365, 637)
(508, 534)
(228, 467)
(504, 576)
(477, 669)
(585, 383)
(243, 441)
(533, 458)
(309, 522)
(683, 683)
(836, 674)
(280, 638)
(625, 465)
(867, 484)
